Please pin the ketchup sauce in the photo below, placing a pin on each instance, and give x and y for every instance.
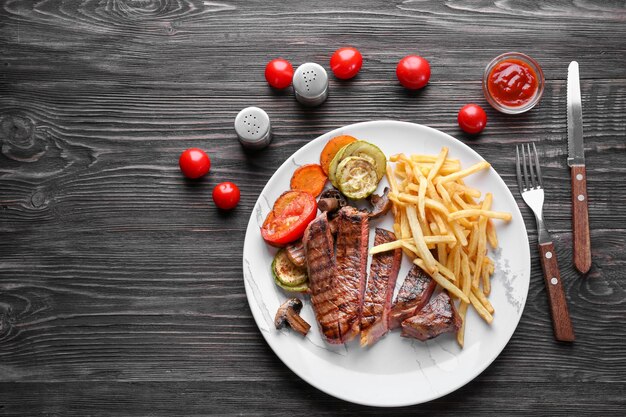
(513, 83)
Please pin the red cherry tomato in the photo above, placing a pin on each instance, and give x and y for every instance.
(226, 195)
(413, 72)
(291, 214)
(279, 73)
(472, 118)
(346, 62)
(194, 163)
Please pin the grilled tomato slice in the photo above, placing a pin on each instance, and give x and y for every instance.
(291, 214)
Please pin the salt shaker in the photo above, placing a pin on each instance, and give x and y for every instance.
(253, 128)
(310, 84)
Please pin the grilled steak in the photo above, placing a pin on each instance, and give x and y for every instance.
(295, 253)
(333, 226)
(379, 290)
(322, 269)
(439, 316)
(414, 294)
(352, 242)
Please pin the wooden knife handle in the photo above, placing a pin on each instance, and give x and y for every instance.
(580, 219)
(561, 321)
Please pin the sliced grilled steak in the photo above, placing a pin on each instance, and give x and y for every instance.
(413, 295)
(352, 242)
(333, 226)
(439, 316)
(322, 269)
(379, 290)
(295, 253)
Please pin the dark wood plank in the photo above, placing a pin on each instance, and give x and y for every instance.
(117, 323)
(121, 288)
(292, 395)
(81, 150)
(133, 36)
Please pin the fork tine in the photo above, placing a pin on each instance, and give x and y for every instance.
(526, 182)
(518, 169)
(530, 167)
(539, 177)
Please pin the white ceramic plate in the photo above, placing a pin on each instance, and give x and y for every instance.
(395, 371)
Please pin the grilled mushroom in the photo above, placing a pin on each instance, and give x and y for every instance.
(289, 313)
(331, 201)
(380, 204)
(328, 204)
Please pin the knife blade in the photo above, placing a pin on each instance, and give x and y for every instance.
(576, 162)
(575, 144)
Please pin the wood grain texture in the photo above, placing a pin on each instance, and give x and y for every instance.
(121, 289)
(580, 218)
(561, 321)
(205, 397)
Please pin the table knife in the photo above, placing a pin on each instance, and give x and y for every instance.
(576, 162)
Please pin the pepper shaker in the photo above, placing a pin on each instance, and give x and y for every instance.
(310, 84)
(253, 128)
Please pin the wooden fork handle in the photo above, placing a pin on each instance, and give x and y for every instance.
(561, 322)
(580, 219)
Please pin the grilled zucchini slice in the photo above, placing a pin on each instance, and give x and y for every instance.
(333, 166)
(287, 275)
(367, 151)
(356, 177)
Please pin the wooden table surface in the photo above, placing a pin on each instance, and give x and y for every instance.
(121, 287)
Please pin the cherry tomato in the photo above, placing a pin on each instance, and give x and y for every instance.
(291, 214)
(226, 195)
(413, 72)
(279, 73)
(472, 118)
(194, 163)
(346, 62)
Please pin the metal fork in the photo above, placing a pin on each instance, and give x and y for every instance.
(530, 184)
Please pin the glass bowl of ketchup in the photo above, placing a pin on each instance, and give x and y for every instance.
(513, 83)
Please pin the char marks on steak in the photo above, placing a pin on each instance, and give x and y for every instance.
(379, 290)
(295, 253)
(413, 295)
(437, 317)
(322, 270)
(352, 242)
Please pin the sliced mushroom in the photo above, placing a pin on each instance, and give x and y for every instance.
(331, 201)
(380, 204)
(328, 204)
(289, 313)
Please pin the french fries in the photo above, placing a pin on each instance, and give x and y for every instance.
(444, 228)
(480, 212)
(438, 164)
(482, 311)
(430, 240)
(441, 280)
(460, 335)
(420, 243)
(464, 173)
